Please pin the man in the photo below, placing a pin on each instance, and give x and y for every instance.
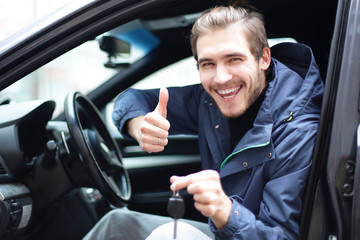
(256, 116)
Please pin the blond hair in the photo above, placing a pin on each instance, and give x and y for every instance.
(250, 22)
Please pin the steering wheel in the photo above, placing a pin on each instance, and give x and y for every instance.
(96, 149)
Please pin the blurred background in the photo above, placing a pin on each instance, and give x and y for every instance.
(16, 14)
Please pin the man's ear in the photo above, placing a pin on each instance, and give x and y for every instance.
(265, 59)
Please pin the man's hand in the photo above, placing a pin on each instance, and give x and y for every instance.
(151, 131)
(210, 199)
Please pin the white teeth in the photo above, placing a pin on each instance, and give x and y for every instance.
(230, 96)
(228, 91)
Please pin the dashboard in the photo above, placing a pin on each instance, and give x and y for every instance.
(29, 151)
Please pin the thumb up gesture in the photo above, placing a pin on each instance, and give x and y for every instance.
(151, 131)
(162, 105)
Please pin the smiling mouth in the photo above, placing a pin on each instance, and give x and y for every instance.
(229, 92)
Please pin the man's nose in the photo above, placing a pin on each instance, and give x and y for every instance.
(222, 74)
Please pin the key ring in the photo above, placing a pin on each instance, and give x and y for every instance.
(175, 192)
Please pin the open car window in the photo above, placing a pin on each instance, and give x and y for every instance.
(179, 74)
(64, 74)
(82, 69)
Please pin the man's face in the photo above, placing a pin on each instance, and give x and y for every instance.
(228, 70)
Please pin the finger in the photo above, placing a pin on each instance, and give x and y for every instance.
(151, 131)
(206, 197)
(161, 108)
(154, 133)
(154, 119)
(150, 148)
(185, 181)
(178, 183)
(150, 144)
(198, 188)
(153, 140)
(207, 210)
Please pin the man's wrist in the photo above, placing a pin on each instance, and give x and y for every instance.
(133, 126)
(221, 218)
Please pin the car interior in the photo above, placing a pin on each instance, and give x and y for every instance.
(63, 164)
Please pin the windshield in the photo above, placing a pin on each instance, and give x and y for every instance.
(82, 69)
(13, 18)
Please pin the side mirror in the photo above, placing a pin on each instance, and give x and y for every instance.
(114, 47)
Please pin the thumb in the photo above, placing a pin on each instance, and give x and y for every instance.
(161, 108)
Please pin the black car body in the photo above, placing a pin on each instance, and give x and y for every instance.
(52, 193)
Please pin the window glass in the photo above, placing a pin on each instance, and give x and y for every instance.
(17, 14)
(81, 69)
(181, 73)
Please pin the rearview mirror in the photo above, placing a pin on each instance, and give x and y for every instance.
(114, 47)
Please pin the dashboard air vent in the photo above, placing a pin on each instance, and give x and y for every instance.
(2, 169)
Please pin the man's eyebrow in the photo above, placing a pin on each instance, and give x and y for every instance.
(233, 54)
(201, 60)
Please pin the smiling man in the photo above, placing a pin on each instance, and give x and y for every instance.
(256, 113)
(229, 71)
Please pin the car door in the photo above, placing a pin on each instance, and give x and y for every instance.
(332, 198)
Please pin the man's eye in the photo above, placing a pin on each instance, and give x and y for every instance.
(235, 59)
(206, 64)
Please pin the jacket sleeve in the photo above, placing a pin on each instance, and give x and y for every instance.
(182, 108)
(281, 204)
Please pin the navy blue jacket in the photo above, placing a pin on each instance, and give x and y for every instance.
(265, 175)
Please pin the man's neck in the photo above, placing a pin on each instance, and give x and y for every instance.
(240, 125)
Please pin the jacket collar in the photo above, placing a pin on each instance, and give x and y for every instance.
(255, 147)
(258, 137)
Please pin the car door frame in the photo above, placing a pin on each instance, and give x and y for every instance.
(333, 192)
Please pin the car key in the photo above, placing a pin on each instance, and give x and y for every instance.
(176, 208)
